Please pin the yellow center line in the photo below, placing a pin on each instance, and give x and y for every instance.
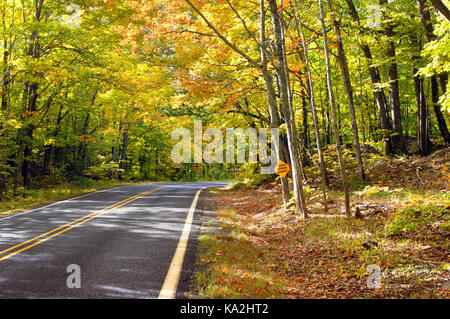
(68, 224)
(72, 225)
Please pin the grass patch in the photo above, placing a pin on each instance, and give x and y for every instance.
(417, 216)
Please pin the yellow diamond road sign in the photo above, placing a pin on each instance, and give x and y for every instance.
(282, 169)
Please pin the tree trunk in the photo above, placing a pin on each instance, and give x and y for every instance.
(123, 153)
(333, 111)
(271, 98)
(376, 80)
(30, 100)
(398, 141)
(349, 90)
(314, 114)
(425, 18)
(439, 5)
(423, 141)
(287, 108)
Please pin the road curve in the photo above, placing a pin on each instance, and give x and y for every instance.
(122, 239)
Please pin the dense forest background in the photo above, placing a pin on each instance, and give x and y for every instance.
(93, 89)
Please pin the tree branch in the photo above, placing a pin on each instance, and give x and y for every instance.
(225, 40)
(439, 5)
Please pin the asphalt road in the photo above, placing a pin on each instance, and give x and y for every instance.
(124, 252)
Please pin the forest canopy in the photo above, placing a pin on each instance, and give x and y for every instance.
(92, 89)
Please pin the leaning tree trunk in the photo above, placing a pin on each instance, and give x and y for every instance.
(314, 114)
(439, 5)
(293, 146)
(333, 111)
(287, 108)
(349, 90)
(376, 80)
(271, 98)
(4, 107)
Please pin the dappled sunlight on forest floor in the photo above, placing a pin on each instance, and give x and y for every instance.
(404, 230)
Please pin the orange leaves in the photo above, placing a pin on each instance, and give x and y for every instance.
(285, 3)
(297, 68)
(87, 139)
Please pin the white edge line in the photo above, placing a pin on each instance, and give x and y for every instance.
(60, 202)
(169, 288)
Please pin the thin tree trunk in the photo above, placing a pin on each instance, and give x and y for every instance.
(293, 147)
(425, 18)
(4, 108)
(398, 141)
(423, 141)
(342, 58)
(271, 98)
(287, 108)
(314, 113)
(361, 103)
(306, 140)
(333, 111)
(376, 80)
(439, 5)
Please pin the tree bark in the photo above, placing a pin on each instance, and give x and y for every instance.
(439, 5)
(376, 80)
(271, 97)
(333, 111)
(287, 108)
(425, 18)
(323, 171)
(349, 90)
(398, 141)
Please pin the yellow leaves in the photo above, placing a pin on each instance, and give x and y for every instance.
(110, 130)
(15, 124)
(275, 62)
(50, 141)
(371, 190)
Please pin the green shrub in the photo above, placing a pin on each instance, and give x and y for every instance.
(416, 216)
(258, 180)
